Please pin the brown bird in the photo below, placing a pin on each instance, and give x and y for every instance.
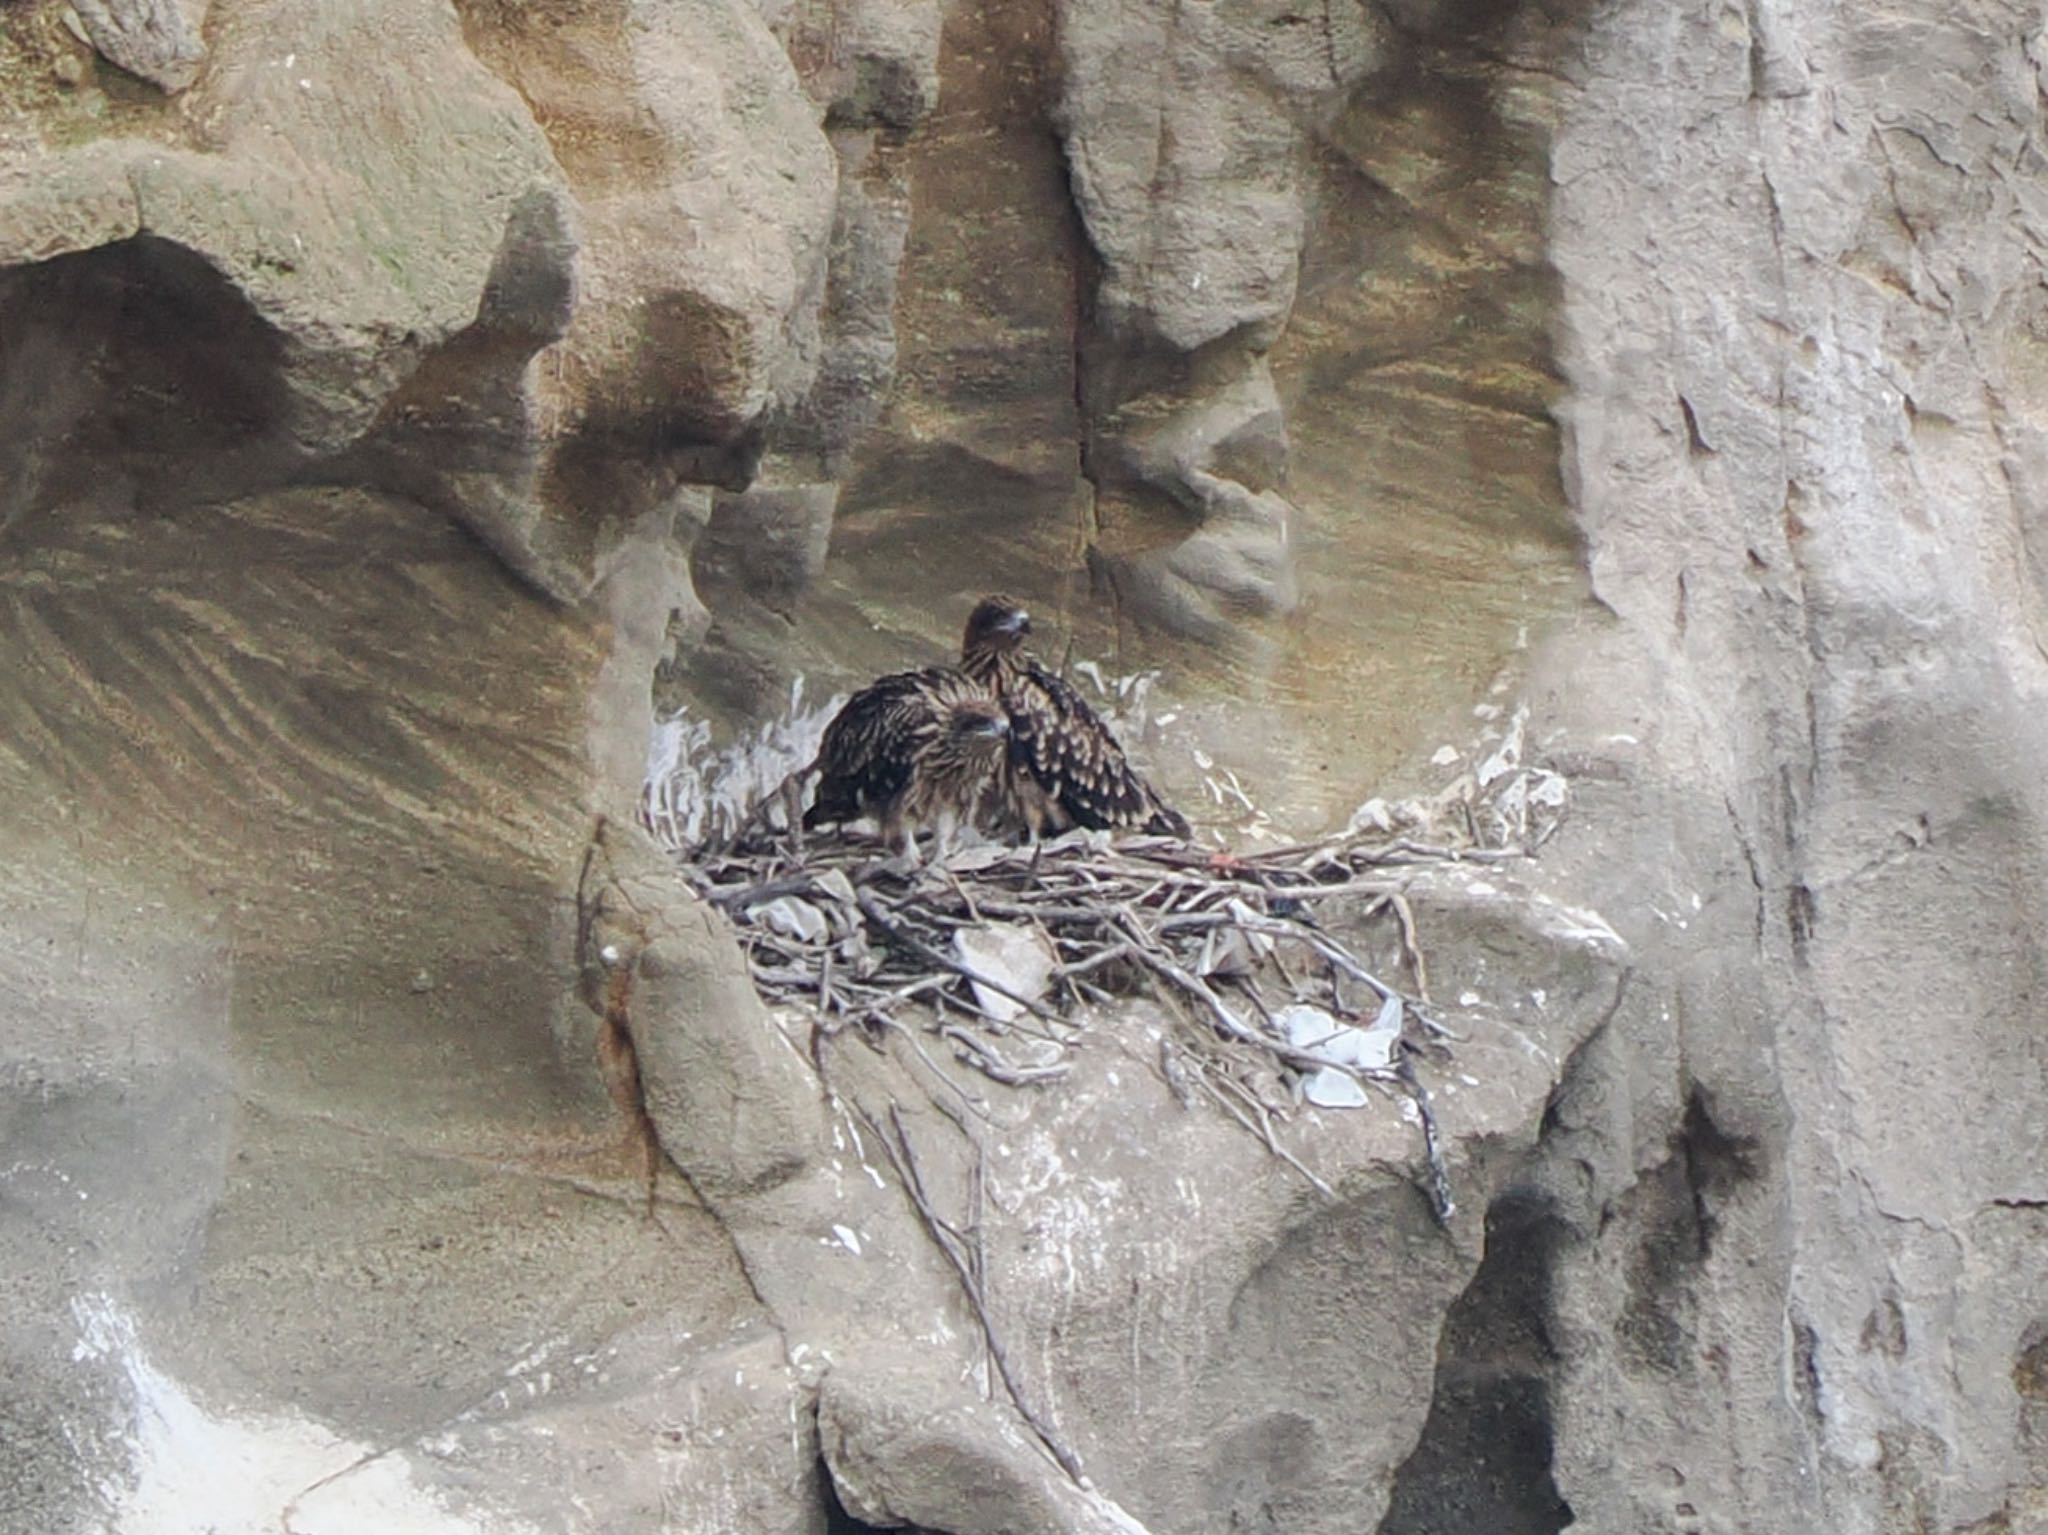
(915, 750)
(1064, 768)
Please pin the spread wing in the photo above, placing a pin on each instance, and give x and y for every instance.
(1065, 746)
(872, 746)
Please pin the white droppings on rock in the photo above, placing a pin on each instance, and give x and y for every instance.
(190, 1468)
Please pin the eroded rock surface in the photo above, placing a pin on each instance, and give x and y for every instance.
(390, 395)
(156, 39)
(1799, 435)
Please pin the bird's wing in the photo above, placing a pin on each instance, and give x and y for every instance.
(869, 748)
(1072, 754)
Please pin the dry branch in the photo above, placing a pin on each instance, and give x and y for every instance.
(964, 1257)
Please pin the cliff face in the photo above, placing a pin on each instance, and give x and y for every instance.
(398, 402)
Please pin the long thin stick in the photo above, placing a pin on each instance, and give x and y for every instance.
(1264, 1130)
(1409, 945)
(990, 1063)
(1432, 1146)
(948, 1241)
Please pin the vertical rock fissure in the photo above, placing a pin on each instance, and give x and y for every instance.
(618, 1062)
(1080, 286)
(1083, 277)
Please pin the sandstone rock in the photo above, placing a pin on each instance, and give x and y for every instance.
(200, 1099)
(332, 242)
(732, 1103)
(893, 51)
(1238, 428)
(156, 39)
(905, 1450)
(769, 541)
(472, 399)
(871, 68)
(857, 363)
(381, 261)
(1212, 454)
(1187, 161)
(871, 64)
(705, 190)
(617, 1438)
(1775, 562)
(1192, 172)
(305, 1139)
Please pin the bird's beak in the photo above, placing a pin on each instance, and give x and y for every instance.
(1016, 623)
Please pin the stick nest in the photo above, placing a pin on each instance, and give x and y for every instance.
(995, 958)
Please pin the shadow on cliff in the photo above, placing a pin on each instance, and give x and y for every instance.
(133, 375)
(1484, 1459)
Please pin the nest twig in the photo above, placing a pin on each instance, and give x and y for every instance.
(962, 1250)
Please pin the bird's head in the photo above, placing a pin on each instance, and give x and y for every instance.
(997, 624)
(978, 726)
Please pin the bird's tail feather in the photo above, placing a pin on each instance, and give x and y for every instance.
(1165, 821)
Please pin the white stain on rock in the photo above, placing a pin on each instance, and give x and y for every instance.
(190, 1468)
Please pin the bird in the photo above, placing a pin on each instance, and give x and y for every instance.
(916, 750)
(1063, 768)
